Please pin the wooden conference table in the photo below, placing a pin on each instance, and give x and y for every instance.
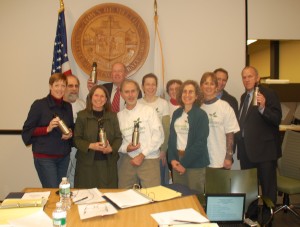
(131, 217)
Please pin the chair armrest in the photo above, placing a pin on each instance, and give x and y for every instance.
(267, 201)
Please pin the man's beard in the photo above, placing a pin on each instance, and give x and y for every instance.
(72, 97)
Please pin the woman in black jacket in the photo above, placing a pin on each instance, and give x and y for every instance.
(50, 146)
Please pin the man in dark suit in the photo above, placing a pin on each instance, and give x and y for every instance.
(118, 75)
(259, 139)
(222, 76)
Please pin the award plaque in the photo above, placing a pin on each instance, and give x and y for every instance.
(110, 33)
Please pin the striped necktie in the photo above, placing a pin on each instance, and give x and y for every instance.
(116, 101)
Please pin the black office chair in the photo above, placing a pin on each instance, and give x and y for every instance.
(288, 174)
(239, 181)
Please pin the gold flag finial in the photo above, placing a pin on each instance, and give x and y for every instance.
(61, 2)
(155, 7)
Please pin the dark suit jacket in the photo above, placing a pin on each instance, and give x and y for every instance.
(109, 87)
(261, 131)
(231, 100)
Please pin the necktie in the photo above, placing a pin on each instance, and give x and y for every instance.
(244, 111)
(115, 106)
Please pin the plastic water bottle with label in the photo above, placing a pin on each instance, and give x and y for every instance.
(65, 193)
(59, 216)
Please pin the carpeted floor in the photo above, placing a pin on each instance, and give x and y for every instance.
(287, 219)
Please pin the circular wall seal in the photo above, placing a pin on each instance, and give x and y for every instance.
(110, 33)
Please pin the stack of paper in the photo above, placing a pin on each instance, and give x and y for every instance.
(30, 204)
(36, 219)
(85, 196)
(96, 209)
(176, 217)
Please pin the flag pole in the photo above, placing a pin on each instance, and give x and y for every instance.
(62, 6)
(160, 47)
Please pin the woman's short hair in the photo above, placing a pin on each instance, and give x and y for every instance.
(89, 105)
(56, 77)
(170, 82)
(198, 93)
(209, 75)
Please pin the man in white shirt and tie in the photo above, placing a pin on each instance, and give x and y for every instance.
(118, 75)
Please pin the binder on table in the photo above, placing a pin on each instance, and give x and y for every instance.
(22, 203)
(141, 196)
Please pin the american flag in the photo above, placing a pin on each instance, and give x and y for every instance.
(60, 63)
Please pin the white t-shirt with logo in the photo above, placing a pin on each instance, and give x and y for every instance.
(160, 105)
(222, 120)
(181, 126)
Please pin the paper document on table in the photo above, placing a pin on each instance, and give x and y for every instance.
(36, 195)
(13, 213)
(36, 219)
(160, 193)
(87, 196)
(96, 209)
(179, 217)
(128, 198)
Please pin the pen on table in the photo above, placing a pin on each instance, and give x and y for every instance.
(81, 199)
(189, 222)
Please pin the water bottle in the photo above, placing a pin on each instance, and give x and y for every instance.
(136, 134)
(59, 216)
(94, 72)
(65, 193)
(62, 125)
(102, 134)
(254, 99)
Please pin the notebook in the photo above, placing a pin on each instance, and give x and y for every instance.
(226, 209)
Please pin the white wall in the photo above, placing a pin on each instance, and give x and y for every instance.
(273, 19)
(197, 36)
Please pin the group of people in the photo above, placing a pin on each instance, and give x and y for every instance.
(197, 128)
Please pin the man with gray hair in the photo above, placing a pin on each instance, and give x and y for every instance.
(72, 96)
(139, 162)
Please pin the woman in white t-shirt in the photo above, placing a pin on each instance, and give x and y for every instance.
(222, 123)
(149, 86)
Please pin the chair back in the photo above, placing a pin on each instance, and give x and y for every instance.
(289, 163)
(233, 181)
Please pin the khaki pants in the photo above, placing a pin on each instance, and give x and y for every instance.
(147, 174)
(193, 178)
